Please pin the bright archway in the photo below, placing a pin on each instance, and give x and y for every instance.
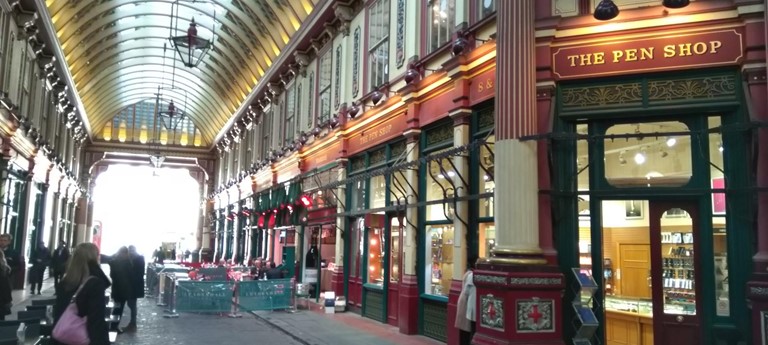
(147, 208)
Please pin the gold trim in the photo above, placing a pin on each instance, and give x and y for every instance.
(503, 251)
(516, 261)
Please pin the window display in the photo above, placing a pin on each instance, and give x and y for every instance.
(486, 238)
(394, 251)
(486, 182)
(376, 245)
(439, 270)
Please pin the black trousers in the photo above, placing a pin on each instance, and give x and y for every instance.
(465, 338)
(36, 278)
(131, 304)
(57, 278)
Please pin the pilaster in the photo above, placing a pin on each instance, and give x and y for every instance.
(408, 308)
(337, 280)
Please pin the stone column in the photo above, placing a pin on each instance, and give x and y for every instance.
(337, 280)
(461, 118)
(81, 216)
(408, 309)
(519, 297)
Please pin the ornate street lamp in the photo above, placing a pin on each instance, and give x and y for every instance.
(171, 117)
(191, 48)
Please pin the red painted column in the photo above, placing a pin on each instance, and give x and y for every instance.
(519, 295)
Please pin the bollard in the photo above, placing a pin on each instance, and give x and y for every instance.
(161, 290)
(171, 311)
(235, 301)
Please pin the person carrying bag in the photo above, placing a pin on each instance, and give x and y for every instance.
(71, 328)
(80, 303)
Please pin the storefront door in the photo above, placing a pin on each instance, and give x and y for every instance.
(675, 280)
(355, 277)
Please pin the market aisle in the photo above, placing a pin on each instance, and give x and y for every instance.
(199, 329)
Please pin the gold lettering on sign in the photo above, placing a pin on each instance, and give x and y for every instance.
(370, 136)
(643, 54)
(485, 85)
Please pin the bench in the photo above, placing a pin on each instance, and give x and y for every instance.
(44, 301)
(33, 326)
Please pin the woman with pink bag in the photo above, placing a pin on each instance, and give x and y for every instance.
(83, 286)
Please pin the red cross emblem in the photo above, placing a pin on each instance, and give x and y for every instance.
(491, 311)
(535, 314)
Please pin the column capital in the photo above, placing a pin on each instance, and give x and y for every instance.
(460, 116)
(412, 135)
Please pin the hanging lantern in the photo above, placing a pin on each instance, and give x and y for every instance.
(191, 48)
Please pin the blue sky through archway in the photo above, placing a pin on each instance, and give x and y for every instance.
(145, 207)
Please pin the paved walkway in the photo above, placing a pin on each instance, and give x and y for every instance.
(314, 327)
(303, 327)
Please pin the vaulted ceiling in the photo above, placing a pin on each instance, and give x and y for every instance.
(119, 53)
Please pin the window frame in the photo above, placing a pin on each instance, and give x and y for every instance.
(478, 8)
(378, 71)
(266, 128)
(431, 45)
(322, 90)
(289, 128)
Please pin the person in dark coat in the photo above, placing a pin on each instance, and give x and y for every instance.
(59, 262)
(41, 259)
(123, 284)
(274, 272)
(84, 269)
(6, 298)
(138, 270)
(12, 257)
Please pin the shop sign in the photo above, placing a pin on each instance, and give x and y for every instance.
(672, 51)
(372, 136)
(483, 86)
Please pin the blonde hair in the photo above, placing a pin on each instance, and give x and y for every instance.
(78, 269)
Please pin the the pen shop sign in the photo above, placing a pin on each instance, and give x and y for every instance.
(628, 55)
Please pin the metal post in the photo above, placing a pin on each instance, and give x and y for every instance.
(235, 301)
(171, 311)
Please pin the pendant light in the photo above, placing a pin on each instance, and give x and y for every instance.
(676, 3)
(606, 10)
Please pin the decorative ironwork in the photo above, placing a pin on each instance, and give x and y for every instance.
(311, 99)
(485, 118)
(337, 87)
(435, 320)
(490, 279)
(357, 163)
(492, 312)
(396, 150)
(693, 88)
(356, 64)
(440, 134)
(400, 36)
(758, 291)
(535, 281)
(377, 157)
(604, 95)
(535, 315)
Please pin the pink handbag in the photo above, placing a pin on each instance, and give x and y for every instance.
(71, 328)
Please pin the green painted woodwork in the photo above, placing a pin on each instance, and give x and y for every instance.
(374, 304)
(435, 320)
(689, 98)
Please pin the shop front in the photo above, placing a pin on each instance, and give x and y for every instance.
(653, 185)
(375, 199)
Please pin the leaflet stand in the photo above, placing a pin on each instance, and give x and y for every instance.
(587, 322)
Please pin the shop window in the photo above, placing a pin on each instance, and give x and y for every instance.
(378, 192)
(487, 237)
(442, 19)
(399, 189)
(719, 210)
(396, 232)
(378, 38)
(324, 89)
(266, 130)
(439, 188)
(376, 255)
(485, 8)
(486, 182)
(357, 195)
(651, 154)
(439, 260)
(583, 163)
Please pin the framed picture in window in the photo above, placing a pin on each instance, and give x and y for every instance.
(633, 209)
(676, 213)
(718, 199)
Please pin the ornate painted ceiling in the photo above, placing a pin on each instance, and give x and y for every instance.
(119, 53)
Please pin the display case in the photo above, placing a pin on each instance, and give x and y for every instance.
(678, 281)
(642, 307)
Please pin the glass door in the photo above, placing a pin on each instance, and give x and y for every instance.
(675, 249)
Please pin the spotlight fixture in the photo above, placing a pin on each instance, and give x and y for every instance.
(353, 110)
(606, 10)
(376, 97)
(622, 159)
(663, 153)
(671, 141)
(411, 75)
(676, 3)
(720, 147)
